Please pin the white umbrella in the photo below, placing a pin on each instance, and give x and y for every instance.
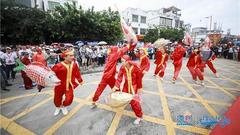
(102, 43)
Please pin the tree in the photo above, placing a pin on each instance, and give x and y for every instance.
(152, 34)
(67, 23)
(20, 24)
(171, 34)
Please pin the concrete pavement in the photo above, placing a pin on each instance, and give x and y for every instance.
(29, 112)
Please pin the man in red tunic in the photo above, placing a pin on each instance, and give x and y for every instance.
(109, 72)
(26, 80)
(133, 84)
(161, 62)
(67, 71)
(177, 57)
(194, 65)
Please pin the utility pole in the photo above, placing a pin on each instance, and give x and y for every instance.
(210, 23)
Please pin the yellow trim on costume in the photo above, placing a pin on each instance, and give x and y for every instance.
(162, 60)
(142, 58)
(144, 50)
(69, 68)
(129, 77)
(70, 53)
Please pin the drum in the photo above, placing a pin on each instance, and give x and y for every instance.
(206, 55)
(118, 99)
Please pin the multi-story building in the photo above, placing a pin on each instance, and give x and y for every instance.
(141, 20)
(46, 4)
(199, 33)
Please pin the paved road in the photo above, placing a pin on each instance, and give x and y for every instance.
(29, 112)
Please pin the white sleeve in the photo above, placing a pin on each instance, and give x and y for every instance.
(4, 56)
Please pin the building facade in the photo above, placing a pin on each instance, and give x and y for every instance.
(141, 20)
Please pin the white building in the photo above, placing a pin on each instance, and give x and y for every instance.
(46, 4)
(141, 20)
(199, 33)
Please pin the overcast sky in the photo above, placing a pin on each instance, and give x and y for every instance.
(224, 12)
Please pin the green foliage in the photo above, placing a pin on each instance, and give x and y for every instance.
(171, 34)
(20, 24)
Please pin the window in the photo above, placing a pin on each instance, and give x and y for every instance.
(166, 22)
(143, 19)
(142, 31)
(169, 22)
(52, 5)
(134, 18)
(135, 30)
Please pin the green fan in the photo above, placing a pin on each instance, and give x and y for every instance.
(20, 66)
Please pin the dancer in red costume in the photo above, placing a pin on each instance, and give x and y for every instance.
(109, 72)
(26, 80)
(133, 84)
(177, 57)
(161, 62)
(68, 72)
(39, 57)
(144, 60)
(208, 60)
(194, 65)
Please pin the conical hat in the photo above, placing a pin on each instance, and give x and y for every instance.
(160, 43)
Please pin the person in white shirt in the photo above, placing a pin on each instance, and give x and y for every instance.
(10, 60)
(23, 51)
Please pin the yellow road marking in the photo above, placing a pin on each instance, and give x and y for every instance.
(190, 99)
(113, 127)
(115, 122)
(14, 128)
(193, 129)
(31, 109)
(229, 79)
(220, 88)
(231, 89)
(146, 118)
(59, 123)
(205, 104)
(180, 83)
(166, 111)
(5, 100)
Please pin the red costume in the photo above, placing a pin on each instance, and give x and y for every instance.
(194, 65)
(161, 63)
(39, 57)
(144, 63)
(67, 73)
(210, 64)
(26, 80)
(177, 57)
(133, 82)
(109, 72)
